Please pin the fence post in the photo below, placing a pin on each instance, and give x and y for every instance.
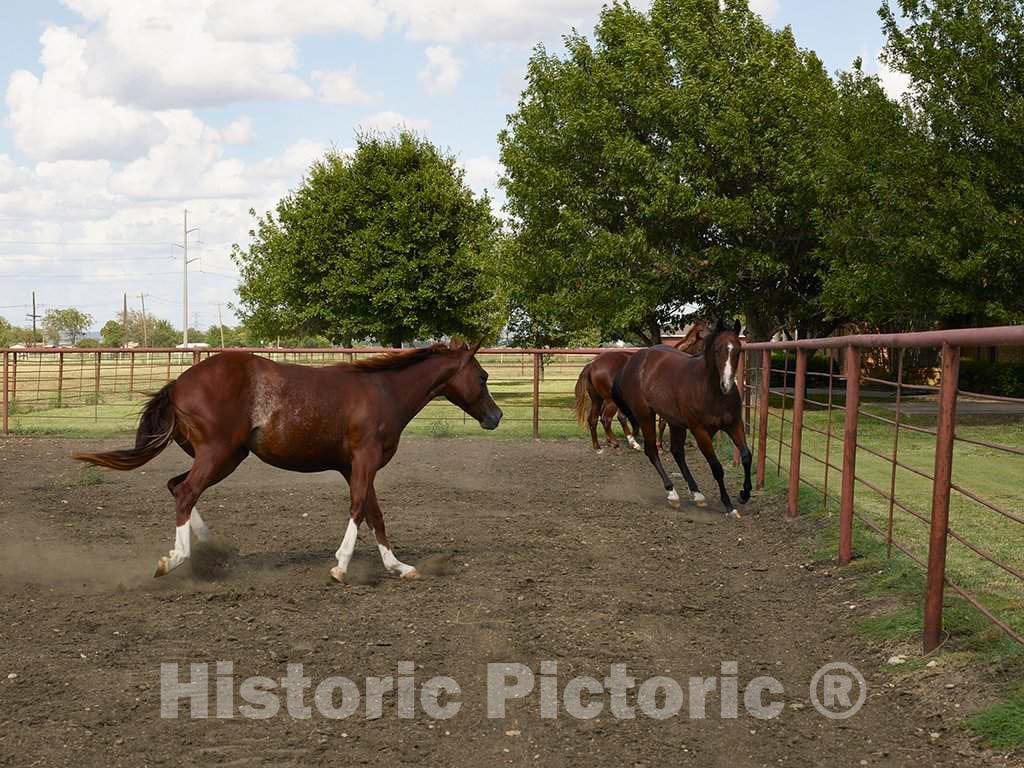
(14, 377)
(60, 379)
(131, 372)
(849, 455)
(741, 386)
(7, 430)
(940, 496)
(799, 388)
(96, 398)
(536, 395)
(762, 418)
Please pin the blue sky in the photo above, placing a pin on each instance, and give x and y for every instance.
(117, 115)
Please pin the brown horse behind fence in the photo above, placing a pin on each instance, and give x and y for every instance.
(347, 417)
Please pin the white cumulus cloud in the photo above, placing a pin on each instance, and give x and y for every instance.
(443, 70)
(339, 87)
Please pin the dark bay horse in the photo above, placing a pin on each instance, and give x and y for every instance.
(696, 393)
(346, 417)
(594, 388)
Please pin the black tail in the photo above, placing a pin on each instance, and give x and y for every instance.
(621, 402)
(156, 429)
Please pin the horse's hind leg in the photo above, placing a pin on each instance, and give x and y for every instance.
(210, 467)
(199, 527)
(707, 447)
(607, 412)
(628, 432)
(647, 426)
(678, 438)
(592, 417)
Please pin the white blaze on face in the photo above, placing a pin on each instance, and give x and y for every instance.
(727, 372)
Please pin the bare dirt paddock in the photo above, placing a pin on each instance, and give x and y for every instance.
(535, 552)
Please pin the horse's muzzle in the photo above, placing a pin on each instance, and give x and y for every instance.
(491, 420)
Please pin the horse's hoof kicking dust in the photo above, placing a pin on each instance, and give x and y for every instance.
(699, 500)
(413, 574)
(162, 567)
(338, 575)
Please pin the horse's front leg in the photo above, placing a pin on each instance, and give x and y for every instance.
(739, 439)
(360, 481)
(707, 447)
(375, 518)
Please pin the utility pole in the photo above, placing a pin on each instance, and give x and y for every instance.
(220, 324)
(184, 282)
(145, 330)
(33, 317)
(124, 326)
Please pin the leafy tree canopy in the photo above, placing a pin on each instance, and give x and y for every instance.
(65, 324)
(388, 243)
(670, 161)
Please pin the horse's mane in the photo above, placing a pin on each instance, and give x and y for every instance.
(688, 339)
(394, 361)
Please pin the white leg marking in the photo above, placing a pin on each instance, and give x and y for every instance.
(199, 526)
(735, 514)
(180, 553)
(698, 498)
(344, 553)
(673, 497)
(394, 565)
(633, 443)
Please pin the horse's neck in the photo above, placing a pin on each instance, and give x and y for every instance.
(416, 385)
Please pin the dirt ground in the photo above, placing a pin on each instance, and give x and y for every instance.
(533, 551)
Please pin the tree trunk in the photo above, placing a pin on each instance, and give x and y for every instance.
(655, 330)
(759, 326)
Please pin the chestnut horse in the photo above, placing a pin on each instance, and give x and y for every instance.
(696, 393)
(594, 388)
(347, 417)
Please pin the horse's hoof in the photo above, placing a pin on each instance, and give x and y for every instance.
(412, 573)
(600, 451)
(337, 574)
(744, 497)
(673, 498)
(634, 444)
(163, 566)
(735, 515)
(699, 500)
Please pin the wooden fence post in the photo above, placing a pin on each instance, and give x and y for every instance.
(940, 497)
(762, 418)
(14, 377)
(849, 455)
(536, 395)
(799, 388)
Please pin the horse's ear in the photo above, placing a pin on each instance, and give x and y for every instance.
(719, 326)
(737, 327)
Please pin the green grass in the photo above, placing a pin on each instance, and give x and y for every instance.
(900, 583)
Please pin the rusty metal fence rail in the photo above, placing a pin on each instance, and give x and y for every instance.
(885, 418)
(99, 391)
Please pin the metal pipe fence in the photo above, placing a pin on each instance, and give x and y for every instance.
(940, 519)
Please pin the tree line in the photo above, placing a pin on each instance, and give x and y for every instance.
(688, 159)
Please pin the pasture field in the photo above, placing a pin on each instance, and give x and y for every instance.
(531, 552)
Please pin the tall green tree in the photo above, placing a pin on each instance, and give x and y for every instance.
(671, 161)
(966, 63)
(388, 243)
(6, 333)
(65, 325)
(876, 216)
